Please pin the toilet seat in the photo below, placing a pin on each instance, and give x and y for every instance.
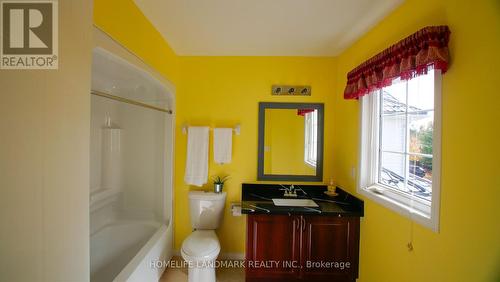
(201, 245)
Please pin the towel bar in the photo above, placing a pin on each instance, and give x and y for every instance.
(236, 129)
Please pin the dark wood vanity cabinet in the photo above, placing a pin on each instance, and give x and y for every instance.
(273, 239)
(334, 240)
(302, 248)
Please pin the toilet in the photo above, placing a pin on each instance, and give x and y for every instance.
(201, 248)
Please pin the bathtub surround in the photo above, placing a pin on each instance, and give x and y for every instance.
(111, 158)
(223, 145)
(196, 172)
(127, 257)
(131, 176)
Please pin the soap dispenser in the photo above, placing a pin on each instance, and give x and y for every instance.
(331, 189)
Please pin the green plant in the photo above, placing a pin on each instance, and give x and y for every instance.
(220, 180)
(421, 142)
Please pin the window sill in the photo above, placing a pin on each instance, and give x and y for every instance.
(398, 207)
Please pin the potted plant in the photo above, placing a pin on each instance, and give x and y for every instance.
(219, 183)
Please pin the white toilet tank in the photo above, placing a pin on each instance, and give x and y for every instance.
(206, 209)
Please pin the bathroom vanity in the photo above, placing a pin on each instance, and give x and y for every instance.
(301, 243)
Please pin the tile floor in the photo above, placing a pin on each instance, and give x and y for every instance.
(179, 273)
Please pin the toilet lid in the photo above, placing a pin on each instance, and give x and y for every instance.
(201, 243)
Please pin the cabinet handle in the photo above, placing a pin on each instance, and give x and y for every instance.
(303, 223)
(297, 224)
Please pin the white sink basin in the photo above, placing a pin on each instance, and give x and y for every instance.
(294, 203)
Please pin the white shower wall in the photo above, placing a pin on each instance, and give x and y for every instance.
(131, 156)
(141, 202)
(101, 108)
(144, 157)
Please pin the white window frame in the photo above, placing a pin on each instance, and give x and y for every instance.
(310, 130)
(418, 210)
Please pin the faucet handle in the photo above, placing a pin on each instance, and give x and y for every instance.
(287, 192)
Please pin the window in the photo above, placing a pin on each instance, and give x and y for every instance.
(400, 146)
(311, 137)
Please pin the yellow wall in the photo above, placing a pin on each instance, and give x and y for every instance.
(468, 245)
(125, 23)
(223, 91)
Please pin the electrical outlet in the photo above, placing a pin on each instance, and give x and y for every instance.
(236, 209)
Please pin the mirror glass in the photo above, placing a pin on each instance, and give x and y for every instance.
(290, 141)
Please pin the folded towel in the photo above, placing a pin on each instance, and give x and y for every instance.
(223, 138)
(197, 156)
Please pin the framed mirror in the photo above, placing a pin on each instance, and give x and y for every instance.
(290, 141)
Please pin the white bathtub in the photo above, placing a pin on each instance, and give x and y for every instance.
(124, 250)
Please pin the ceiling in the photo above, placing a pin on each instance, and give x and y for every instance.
(263, 27)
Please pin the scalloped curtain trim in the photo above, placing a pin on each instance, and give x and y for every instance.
(409, 58)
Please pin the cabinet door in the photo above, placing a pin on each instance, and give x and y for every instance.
(273, 246)
(330, 248)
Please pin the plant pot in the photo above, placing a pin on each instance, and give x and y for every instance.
(218, 188)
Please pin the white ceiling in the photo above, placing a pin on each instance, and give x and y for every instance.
(263, 27)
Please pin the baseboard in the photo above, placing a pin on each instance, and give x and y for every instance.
(227, 256)
(232, 256)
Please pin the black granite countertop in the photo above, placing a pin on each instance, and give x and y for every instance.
(257, 199)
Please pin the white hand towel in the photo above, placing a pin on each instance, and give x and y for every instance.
(223, 140)
(197, 156)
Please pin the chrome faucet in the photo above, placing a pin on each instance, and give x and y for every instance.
(289, 191)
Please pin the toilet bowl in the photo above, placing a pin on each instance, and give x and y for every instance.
(201, 248)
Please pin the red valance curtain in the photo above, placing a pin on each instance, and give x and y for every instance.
(410, 57)
(303, 112)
